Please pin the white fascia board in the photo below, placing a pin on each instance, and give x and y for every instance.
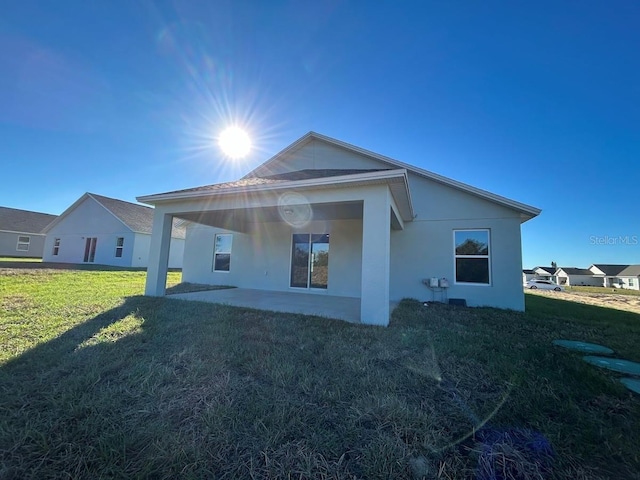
(24, 233)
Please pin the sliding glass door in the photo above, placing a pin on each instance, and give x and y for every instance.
(310, 260)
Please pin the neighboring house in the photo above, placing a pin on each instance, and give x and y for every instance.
(608, 274)
(630, 277)
(329, 218)
(546, 273)
(571, 276)
(21, 232)
(106, 231)
(528, 275)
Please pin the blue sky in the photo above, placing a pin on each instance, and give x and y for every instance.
(539, 104)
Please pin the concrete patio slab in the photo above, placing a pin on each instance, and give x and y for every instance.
(342, 308)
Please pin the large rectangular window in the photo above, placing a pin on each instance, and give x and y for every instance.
(472, 256)
(23, 243)
(119, 246)
(222, 252)
(56, 246)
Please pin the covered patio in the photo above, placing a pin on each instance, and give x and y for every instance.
(265, 213)
(341, 308)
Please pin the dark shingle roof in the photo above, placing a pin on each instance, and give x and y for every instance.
(528, 272)
(576, 271)
(15, 220)
(549, 270)
(630, 271)
(279, 178)
(137, 217)
(610, 270)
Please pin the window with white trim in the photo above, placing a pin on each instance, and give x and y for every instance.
(56, 246)
(631, 284)
(222, 252)
(472, 256)
(119, 246)
(23, 243)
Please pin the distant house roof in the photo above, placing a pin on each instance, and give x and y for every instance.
(549, 270)
(576, 271)
(138, 218)
(610, 270)
(630, 271)
(529, 272)
(23, 221)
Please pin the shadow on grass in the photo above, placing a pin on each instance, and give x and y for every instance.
(164, 388)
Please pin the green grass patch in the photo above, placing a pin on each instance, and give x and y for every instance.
(98, 381)
(20, 259)
(618, 291)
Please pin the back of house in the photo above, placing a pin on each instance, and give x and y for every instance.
(325, 217)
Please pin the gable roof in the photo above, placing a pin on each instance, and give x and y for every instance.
(549, 270)
(609, 270)
(138, 218)
(24, 221)
(576, 271)
(527, 211)
(630, 271)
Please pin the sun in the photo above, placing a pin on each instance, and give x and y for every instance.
(234, 142)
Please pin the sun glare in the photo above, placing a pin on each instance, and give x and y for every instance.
(234, 142)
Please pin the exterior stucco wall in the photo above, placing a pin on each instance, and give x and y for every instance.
(89, 219)
(577, 280)
(320, 155)
(261, 259)
(140, 255)
(9, 245)
(632, 283)
(425, 248)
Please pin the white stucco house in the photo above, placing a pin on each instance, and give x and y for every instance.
(616, 276)
(21, 232)
(328, 218)
(546, 273)
(630, 277)
(107, 231)
(571, 276)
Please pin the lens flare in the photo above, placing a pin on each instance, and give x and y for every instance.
(295, 209)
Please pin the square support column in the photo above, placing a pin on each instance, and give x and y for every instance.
(376, 246)
(159, 254)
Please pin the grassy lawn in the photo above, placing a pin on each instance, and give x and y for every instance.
(19, 259)
(97, 381)
(618, 291)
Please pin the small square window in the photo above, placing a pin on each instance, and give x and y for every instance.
(23, 243)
